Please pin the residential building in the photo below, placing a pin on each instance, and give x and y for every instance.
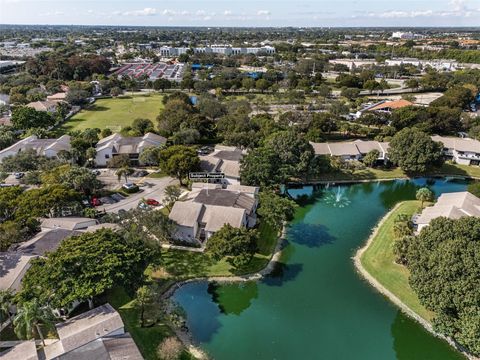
(463, 151)
(26, 350)
(96, 334)
(13, 267)
(226, 160)
(449, 205)
(209, 207)
(389, 106)
(116, 144)
(351, 150)
(68, 223)
(46, 147)
(60, 96)
(47, 106)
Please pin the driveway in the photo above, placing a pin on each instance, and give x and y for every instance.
(150, 189)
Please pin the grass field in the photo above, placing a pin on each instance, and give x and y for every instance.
(146, 338)
(180, 265)
(115, 113)
(378, 260)
(397, 173)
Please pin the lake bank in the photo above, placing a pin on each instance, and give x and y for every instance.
(391, 279)
(183, 335)
(316, 290)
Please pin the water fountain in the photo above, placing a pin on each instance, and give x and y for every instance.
(336, 197)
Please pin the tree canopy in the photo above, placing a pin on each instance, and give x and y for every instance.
(443, 262)
(414, 151)
(178, 161)
(84, 267)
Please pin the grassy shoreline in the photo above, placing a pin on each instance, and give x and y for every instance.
(378, 261)
(371, 174)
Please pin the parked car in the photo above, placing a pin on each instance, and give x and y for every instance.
(140, 173)
(19, 175)
(204, 150)
(96, 172)
(143, 206)
(152, 202)
(96, 202)
(130, 187)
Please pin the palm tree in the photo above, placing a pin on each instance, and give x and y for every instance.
(124, 171)
(6, 298)
(424, 194)
(30, 316)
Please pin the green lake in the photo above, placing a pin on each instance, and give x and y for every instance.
(315, 305)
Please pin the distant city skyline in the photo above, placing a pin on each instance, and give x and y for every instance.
(318, 13)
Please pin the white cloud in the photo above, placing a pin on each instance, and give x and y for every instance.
(144, 12)
(52, 13)
(201, 13)
(263, 12)
(458, 5)
(169, 12)
(227, 12)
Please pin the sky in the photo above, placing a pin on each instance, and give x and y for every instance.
(277, 13)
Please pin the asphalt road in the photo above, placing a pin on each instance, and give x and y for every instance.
(150, 189)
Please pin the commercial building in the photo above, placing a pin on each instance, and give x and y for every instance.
(167, 51)
(171, 72)
(441, 64)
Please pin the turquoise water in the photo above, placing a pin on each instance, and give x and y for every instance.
(315, 306)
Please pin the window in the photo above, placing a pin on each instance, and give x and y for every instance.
(107, 156)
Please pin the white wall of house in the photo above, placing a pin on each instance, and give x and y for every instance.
(186, 233)
(103, 156)
(50, 153)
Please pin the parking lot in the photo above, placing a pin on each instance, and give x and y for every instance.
(150, 188)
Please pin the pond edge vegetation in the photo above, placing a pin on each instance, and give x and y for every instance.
(378, 286)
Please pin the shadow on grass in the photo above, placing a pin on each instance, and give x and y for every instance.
(98, 108)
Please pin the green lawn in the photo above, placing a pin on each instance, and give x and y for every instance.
(396, 173)
(115, 113)
(180, 265)
(378, 260)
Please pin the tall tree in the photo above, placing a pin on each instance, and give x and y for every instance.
(275, 210)
(443, 262)
(414, 151)
(30, 318)
(85, 266)
(238, 244)
(424, 194)
(178, 161)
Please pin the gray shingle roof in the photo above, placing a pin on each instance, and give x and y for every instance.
(45, 241)
(82, 329)
(26, 350)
